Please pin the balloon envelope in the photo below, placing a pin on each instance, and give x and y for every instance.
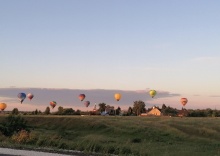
(87, 103)
(117, 96)
(152, 93)
(21, 97)
(53, 104)
(2, 106)
(30, 96)
(81, 97)
(183, 101)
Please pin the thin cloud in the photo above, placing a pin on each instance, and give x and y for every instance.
(196, 95)
(214, 95)
(148, 69)
(207, 59)
(69, 97)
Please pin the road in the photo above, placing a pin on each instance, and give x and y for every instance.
(16, 152)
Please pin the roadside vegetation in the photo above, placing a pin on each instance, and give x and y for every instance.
(118, 135)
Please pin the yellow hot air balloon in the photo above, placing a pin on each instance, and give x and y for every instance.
(117, 96)
(183, 101)
(152, 93)
(2, 106)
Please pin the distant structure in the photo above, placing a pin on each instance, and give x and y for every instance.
(94, 109)
(153, 112)
(183, 112)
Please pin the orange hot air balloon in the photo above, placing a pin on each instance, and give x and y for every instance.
(2, 106)
(81, 97)
(30, 96)
(117, 96)
(53, 104)
(183, 101)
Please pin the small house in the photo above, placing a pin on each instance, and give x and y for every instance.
(153, 112)
(182, 113)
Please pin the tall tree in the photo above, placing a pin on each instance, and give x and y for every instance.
(15, 111)
(130, 111)
(102, 107)
(60, 110)
(164, 106)
(68, 111)
(36, 112)
(118, 111)
(47, 111)
(139, 107)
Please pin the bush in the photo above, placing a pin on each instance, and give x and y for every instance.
(13, 124)
(21, 137)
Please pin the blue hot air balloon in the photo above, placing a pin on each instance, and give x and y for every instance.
(21, 97)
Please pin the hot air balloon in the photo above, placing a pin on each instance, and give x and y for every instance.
(21, 97)
(86, 103)
(2, 106)
(152, 93)
(53, 104)
(183, 101)
(30, 96)
(81, 97)
(117, 96)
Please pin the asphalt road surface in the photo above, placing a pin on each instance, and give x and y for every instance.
(15, 152)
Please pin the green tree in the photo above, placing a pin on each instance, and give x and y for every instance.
(36, 112)
(15, 111)
(118, 111)
(130, 111)
(60, 110)
(169, 111)
(102, 107)
(68, 111)
(139, 107)
(39, 112)
(47, 111)
(78, 112)
(164, 106)
(208, 112)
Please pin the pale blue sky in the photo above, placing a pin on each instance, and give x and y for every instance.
(112, 44)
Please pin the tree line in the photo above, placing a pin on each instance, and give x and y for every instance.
(138, 108)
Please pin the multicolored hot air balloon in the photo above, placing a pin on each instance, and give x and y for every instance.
(117, 96)
(81, 97)
(152, 93)
(87, 103)
(21, 97)
(2, 106)
(183, 101)
(53, 104)
(30, 96)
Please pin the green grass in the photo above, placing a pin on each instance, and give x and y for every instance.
(144, 136)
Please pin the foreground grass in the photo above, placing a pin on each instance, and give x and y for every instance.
(124, 135)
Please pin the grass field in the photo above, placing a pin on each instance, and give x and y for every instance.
(144, 136)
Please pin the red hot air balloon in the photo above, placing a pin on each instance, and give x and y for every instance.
(183, 101)
(53, 104)
(30, 96)
(81, 97)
